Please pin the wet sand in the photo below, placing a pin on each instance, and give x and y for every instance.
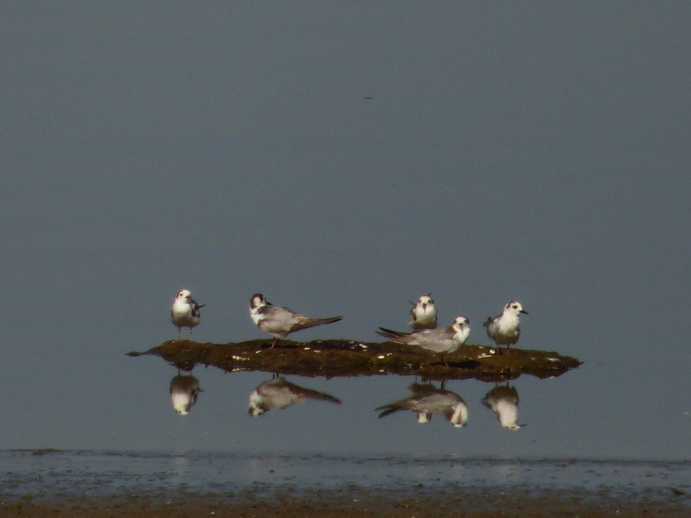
(81, 483)
(359, 501)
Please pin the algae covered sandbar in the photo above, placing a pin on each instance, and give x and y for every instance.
(331, 358)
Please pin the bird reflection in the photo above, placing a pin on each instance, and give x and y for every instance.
(184, 390)
(426, 400)
(279, 393)
(503, 401)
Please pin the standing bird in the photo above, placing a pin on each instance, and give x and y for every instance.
(440, 340)
(505, 329)
(424, 314)
(185, 311)
(280, 322)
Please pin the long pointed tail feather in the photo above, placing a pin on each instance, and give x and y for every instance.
(389, 333)
(317, 322)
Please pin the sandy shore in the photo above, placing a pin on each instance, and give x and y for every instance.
(357, 502)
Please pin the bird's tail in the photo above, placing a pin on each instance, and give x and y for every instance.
(389, 333)
(313, 322)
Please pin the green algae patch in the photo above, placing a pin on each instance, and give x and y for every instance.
(332, 358)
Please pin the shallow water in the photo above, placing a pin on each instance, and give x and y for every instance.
(49, 475)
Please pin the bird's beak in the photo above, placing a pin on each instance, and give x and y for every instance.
(524, 311)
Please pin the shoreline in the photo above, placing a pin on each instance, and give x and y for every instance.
(357, 501)
(47, 482)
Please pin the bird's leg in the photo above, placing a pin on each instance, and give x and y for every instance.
(273, 344)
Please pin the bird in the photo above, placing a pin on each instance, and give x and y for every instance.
(279, 393)
(280, 322)
(427, 400)
(440, 340)
(185, 311)
(423, 313)
(503, 401)
(183, 393)
(505, 329)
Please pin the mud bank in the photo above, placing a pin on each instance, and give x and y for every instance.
(353, 502)
(331, 358)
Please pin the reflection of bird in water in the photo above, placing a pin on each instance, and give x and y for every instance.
(280, 322)
(505, 329)
(423, 313)
(279, 393)
(427, 400)
(185, 311)
(184, 390)
(440, 340)
(503, 401)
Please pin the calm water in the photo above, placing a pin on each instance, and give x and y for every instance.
(582, 414)
(522, 434)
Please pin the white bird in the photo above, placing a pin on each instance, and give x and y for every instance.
(505, 329)
(440, 340)
(280, 322)
(423, 313)
(183, 393)
(427, 400)
(279, 393)
(503, 401)
(185, 311)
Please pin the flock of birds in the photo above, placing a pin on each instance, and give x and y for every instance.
(425, 400)
(279, 322)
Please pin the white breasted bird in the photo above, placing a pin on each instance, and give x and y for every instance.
(440, 340)
(423, 313)
(280, 322)
(185, 311)
(505, 329)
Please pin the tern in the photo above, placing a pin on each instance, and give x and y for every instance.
(440, 340)
(423, 313)
(505, 329)
(185, 311)
(280, 322)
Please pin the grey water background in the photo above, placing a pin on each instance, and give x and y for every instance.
(343, 158)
